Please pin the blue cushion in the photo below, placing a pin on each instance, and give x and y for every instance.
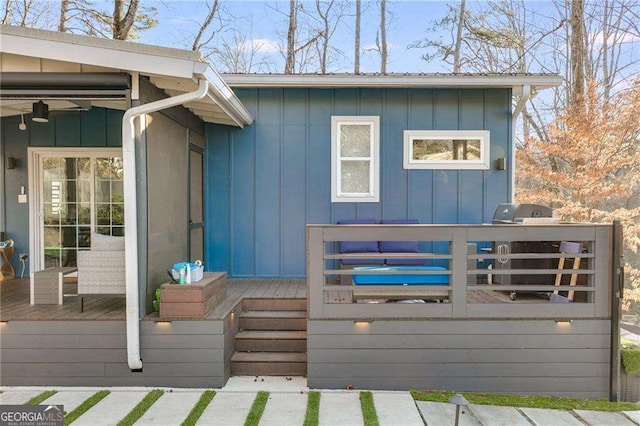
(357, 246)
(400, 246)
(400, 279)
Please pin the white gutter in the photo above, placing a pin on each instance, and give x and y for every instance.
(130, 212)
(524, 97)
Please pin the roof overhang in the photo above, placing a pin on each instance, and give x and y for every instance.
(513, 81)
(176, 71)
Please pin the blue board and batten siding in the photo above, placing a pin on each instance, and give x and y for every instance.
(267, 181)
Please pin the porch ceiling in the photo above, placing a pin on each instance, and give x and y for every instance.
(26, 50)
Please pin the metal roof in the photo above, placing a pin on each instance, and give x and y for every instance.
(176, 71)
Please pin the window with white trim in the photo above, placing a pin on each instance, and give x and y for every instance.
(355, 159)
(446, 149)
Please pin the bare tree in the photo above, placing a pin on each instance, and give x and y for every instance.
(456, 51)
(29, 13)
(213, 10)
(356, 47)
(239, 55)
(577, 56)
(123, 20)
(291, 38)
(6, 19)
(382, 44)
(330, 15)
(64, 10)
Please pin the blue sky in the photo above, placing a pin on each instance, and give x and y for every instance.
(407, 23)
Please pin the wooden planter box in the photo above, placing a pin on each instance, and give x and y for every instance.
(193, 301)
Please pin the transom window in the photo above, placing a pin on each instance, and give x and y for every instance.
(446, 149)
(355, 158)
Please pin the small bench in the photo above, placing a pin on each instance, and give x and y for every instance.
(414, 286)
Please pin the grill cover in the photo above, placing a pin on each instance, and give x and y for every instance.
(515, 213)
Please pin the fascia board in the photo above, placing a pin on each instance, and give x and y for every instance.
(97, 55)
(390, 81)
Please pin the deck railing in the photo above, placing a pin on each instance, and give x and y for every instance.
(475, 289)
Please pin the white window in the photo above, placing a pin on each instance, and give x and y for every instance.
(446, 149)
(355, 159)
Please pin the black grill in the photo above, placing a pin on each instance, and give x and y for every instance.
(515, 213)
(512, 214)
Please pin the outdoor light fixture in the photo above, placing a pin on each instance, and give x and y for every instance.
(459, 401)
(22, 126)
(10, 163)
(563, 321)
(40, 112)
(163, 322)
(362, 321)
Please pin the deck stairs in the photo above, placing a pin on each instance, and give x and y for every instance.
(272, 338)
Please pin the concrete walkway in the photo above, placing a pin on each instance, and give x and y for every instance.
(287, 405)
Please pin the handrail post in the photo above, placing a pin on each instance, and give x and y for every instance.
(315, 272)
(617, 292)
(459, 272)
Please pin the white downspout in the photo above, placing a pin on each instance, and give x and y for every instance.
(130, 212)
(524, 97)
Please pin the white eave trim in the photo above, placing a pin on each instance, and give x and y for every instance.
(224, 97)
(515, 81)
(121, 56)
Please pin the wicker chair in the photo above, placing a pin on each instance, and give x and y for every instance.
(101, 271)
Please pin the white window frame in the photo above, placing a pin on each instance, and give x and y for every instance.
(482, 164)
(337, 195)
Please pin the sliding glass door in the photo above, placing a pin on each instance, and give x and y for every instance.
(78, 193)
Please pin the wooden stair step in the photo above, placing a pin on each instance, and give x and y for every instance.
(274, 314)
(299, 304)
(272, 334)
(271, 341)
(269, 357)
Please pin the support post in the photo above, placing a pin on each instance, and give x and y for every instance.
(617, 293)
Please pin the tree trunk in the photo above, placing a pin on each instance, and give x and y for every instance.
(456, 52)
(62, 22)
(291, 39)
(383, 36)
(7, 12)
(356, 48)
(122, 24)
(577, 52)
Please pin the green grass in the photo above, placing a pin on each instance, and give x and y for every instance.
(84, 407)
(313, 409)
(141, 408)
(199, 408)
(39, 398)
(368, 409)
(253, 418)
(528, 401)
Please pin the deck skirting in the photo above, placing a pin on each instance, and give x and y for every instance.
(497, 356)
(94, 353)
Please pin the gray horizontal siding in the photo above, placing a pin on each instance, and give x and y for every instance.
(510, 356)
(83, 353)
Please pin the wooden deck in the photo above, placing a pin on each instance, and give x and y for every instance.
(14, 301)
